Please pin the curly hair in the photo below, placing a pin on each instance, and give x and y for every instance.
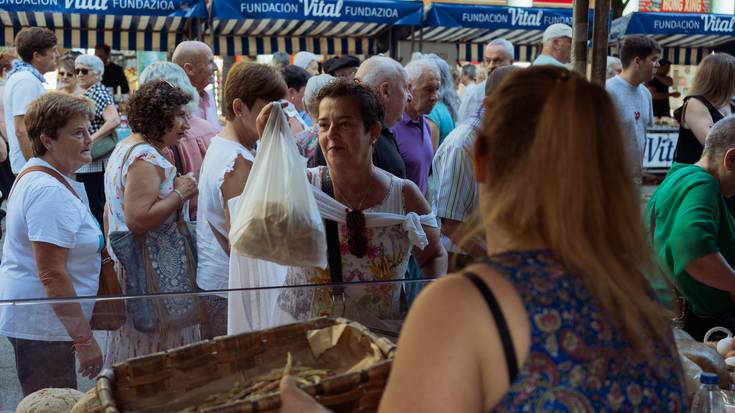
(360, 94)
(152, 109)
(50, 112)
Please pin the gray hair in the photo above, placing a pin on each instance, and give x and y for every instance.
(611, 60)
(720, 138)
(313, 86)
(470, 70)
(175, 75)
(379, 69)
(281, 59)
(508, 46)
(91, 61)
(447, 93)
(303, 59)
(416, 68)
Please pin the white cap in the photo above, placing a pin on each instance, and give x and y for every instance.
(557, 30)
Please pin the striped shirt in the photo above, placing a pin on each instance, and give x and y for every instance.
(457, 195)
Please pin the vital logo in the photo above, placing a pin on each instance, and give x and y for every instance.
(524, 18)
(318, 8)
(87, 4)
(718, 24)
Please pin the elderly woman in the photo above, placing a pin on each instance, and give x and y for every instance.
(308, 140)
(52, 249)
(66, 79)
(350, 119)
(542, 324)
(188, 153)
(225, 170)
(694, 234)
(307, 61)
(144, 192)
(445, 113)
(89, 70)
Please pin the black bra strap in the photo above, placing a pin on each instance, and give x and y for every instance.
(510, 354)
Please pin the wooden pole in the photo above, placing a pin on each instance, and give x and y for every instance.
(579, 41)
(600, 41)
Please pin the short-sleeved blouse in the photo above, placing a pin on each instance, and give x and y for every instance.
(115, 178)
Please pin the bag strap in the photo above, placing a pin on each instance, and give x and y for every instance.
(125, 159)
(511, 360)
(48, 171)
(334, 256)
(178, 163)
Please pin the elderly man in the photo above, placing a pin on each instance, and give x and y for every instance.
(498, 53)
(457, 194)
(632, 99)
(197, 60)
(694, 232)
(412, 131)
(389, 79)
(614, 67)
(557, 50)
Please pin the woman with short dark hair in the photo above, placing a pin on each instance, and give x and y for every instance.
(143, 192)
(52, 249)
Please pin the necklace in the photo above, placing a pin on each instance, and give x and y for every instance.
(367, 191)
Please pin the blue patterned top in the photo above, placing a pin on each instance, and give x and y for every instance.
(578, 361)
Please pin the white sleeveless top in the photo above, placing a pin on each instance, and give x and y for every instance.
(213, 265)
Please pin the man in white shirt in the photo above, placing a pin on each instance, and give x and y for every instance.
(632, 99)
(498, 53)
(37, 50)
(557, 50)
(197, 60)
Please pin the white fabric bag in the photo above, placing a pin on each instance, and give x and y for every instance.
(277, 219)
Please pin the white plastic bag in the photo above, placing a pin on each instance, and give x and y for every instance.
(278, 219)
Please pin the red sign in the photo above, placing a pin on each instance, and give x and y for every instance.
(553, 2)
(675, 6)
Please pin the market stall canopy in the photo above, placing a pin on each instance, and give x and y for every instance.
(686, 38)
(250, 27)
(122, 24)
(473, 25)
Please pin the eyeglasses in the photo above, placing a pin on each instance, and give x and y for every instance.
(84, 72)
(356, 238)
(65, 74)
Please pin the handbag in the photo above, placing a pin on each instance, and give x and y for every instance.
(107, 314)
(101, 147)
(162, 260)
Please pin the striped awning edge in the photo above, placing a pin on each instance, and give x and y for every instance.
(252, 45)
(295, 28)
(473, 52)
(677, 55)
(117, 40)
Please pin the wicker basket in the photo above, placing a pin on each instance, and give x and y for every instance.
(172, 380)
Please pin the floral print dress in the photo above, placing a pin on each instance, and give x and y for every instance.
(388, 252)
(128, 342)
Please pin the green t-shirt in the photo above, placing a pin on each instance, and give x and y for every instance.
(691, 221)
(442, 118)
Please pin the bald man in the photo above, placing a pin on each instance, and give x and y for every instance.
(389, 79)
(197, 60)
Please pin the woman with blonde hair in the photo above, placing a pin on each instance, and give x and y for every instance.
(709, 100)
(559, 316)
(66, 79)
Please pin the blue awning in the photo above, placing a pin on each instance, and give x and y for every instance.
(465, 23)
(321, 26)
(685, 38)
(123, 24)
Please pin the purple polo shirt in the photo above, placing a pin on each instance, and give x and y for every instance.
(414, 144)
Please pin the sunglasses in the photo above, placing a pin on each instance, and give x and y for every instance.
(356, 238)
(84, 72)
(65, 74)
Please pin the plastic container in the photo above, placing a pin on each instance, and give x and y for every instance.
(123, 130)
(709, 398)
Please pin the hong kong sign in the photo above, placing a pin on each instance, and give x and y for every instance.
(405, 12)
(171, 8)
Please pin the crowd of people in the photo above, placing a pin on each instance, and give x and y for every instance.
(525, 185)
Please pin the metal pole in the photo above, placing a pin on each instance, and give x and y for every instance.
(600, 41)
(579, 41)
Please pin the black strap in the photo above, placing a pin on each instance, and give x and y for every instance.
(511, 360)
(177, 159)
(334, 256)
